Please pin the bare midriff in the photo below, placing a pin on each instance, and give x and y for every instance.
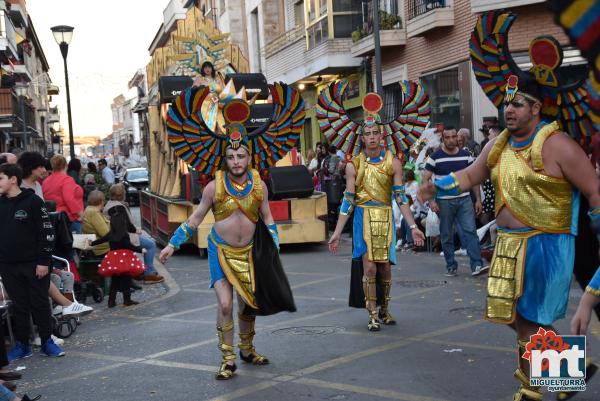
(237, 230)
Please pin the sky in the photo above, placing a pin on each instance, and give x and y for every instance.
(110, 43)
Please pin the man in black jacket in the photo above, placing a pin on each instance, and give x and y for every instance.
(26, 243)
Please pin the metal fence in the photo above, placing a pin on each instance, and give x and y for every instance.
(420, 7)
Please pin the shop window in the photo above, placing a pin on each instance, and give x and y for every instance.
(444, 95)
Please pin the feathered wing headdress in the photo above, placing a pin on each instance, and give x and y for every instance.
(500, 78)
(204, 150)
(580, 20)
(399, 133)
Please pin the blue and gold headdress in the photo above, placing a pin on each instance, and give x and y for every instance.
(204, 150)
(572, 105)
(398, 134)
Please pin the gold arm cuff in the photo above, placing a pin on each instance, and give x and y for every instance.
(594, 291)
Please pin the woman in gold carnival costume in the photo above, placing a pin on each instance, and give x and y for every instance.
(213, 80)
(373, 180)
(243, 244)
(538, 173)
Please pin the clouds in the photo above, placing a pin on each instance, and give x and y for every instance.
(110, 43)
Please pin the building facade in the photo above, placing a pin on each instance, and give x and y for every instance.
(434, 50)
(314, 50)
(26, 86)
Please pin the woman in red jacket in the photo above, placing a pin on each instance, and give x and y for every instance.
(64, 191)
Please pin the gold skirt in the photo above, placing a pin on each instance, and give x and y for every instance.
(238, 267)
(505, 281)
(378, 232)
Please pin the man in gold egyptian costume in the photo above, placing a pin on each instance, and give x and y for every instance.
(537, 172)
(238, 199)
(372, 179)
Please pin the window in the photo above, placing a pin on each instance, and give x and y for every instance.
(323, 8)
(299, 13)
(353, 89)
(317, 33)
(392, 100)
(344, 24)
(347, 5)
(312, 8)
(444, 96)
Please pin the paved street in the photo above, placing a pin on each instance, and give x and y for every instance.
(166, 348)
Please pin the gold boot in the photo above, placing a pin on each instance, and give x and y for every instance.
(384, 313)
(368, 284)
(246, 344)
(226, 370)
(526, 392)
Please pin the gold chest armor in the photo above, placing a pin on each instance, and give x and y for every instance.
(534, 198)
(226, 203)
(374, 180)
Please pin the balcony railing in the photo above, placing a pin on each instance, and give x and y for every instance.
(420, 7)
(282, 41)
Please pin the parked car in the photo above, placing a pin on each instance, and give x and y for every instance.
(135, 180)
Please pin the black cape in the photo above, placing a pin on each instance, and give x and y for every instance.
(357, 294)
(273, 293)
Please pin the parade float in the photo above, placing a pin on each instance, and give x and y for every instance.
(176, 180)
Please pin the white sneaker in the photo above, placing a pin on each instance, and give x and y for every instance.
(77, 309)
(460, 252)
(37, 341)
(57, 341)
(57, 310)
(480, 270)
(398, 244)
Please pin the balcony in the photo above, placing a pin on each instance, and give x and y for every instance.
(387, 38)
(173, 12)
(479, 6)
(426, 15)
(7, 35)
(294, 62)
(18, 13)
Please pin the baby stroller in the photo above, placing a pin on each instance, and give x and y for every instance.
(63, 248)
(63, 326)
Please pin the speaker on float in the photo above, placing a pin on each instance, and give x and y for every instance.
(290, 182)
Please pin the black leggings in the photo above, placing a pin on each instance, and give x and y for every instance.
(30, 297)
(121, 283)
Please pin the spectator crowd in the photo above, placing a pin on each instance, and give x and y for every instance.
(43, 205)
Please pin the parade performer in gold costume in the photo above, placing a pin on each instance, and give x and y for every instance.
(373, 180)
(243, 244)
(538, 173)
(210, 108)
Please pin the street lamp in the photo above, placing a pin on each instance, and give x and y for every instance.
(21, 91)
(63, 35)
(43, 113)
